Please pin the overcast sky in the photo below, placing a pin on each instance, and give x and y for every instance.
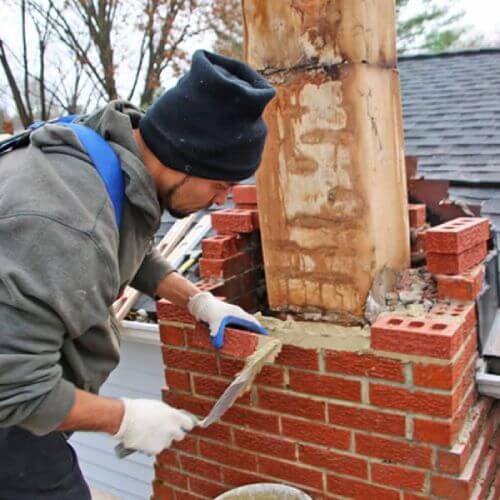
(482, 17)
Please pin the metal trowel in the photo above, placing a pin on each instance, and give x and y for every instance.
(238, 387)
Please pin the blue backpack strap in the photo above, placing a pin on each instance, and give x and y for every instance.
(100, 153)
(105, 161)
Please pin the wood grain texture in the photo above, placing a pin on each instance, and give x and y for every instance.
(332, 184)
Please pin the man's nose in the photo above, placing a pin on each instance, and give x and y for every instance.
(221, 198)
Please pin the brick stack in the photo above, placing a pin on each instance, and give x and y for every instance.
(399, 419)
(417, 216)
(457, 246)
(455, 251)
(231, 264)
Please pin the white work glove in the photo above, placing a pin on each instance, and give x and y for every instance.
(151, 426)
(218, 314)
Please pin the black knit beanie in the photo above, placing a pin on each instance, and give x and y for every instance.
(210, 124)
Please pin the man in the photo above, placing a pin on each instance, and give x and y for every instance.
(63, 263)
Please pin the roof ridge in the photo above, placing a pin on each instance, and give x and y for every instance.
(448, 54)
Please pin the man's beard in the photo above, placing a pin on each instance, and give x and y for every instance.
(178, 214)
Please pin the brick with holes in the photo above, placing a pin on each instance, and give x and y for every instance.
(219, 246)
(424, 337)
(458, 235)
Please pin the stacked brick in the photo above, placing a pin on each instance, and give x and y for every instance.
(399, 420)
(454, 252)
(417, 216)
(231, 265)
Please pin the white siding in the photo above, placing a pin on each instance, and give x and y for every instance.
(139, 375)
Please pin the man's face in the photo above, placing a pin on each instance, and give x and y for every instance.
(192, 194)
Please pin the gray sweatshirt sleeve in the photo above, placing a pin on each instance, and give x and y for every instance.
(153, 269)
(52, 286)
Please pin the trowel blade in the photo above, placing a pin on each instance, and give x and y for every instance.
(224, 402)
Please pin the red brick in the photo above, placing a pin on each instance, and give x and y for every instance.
(224, 268)
(170, 476)
(228, 456)
(245, 194)
(177, 380)
(445, 433)
(310, 432)
(201, 467)
(162, 492)
(167, 311)
(289, 403)
(457, 235)
(244, 417)
(417, 213)
(237, 343)
(214, 388)
(398, 451)
(252, 279)
(356, 489)
(248, 302)
(184, 495)
(367, 419)
(216, 432)
(325, 385)
(445, 376)
(448, 263)
(206, 488)
(458, 312)
(298, 357)
(486, 477)
(453, 461)
(292, 473)
(169, 458)
(336, 462)
(236, 477)
(272, 376)
(398, 477)
(172, 335)
(187, 445)
(466, 286)
(437, 405)
(232, 221)
(366, 365)
(219, 247)
(264, 444)
(210, 285)
(424, 337)
(192, 404)
(230, 367)
(190, 361)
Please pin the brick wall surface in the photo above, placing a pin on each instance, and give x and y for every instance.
(401, 420)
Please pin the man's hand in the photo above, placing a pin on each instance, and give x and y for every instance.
(218, 314)
(151, 426)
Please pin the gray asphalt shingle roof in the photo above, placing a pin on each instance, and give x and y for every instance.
(451, 108)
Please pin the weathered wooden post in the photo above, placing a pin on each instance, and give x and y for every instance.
(332, 187)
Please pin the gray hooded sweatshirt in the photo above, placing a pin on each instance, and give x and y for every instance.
(62, 264)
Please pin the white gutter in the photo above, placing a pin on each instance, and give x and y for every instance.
(144, 333)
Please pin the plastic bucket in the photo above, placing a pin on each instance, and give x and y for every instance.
(264, 491)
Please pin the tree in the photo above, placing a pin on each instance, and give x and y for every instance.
(432, 29)
(73, 54)
(98, 34)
